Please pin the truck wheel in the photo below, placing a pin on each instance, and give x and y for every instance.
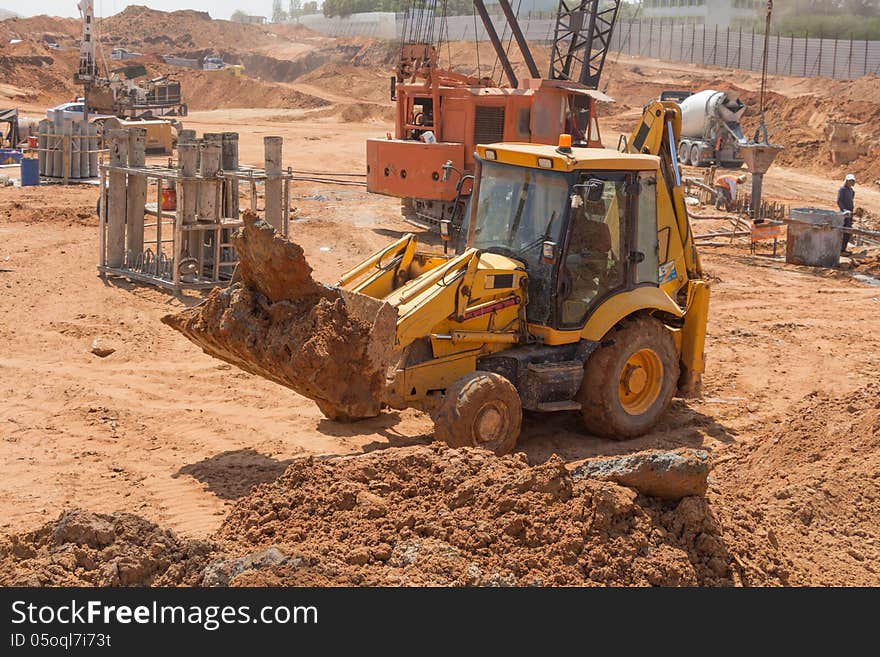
(481, 409)
(630, 380)
(696, 155)
(683, 152)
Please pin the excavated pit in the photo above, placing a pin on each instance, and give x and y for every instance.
(276, 321)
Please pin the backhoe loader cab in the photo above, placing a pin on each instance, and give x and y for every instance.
(584, 226)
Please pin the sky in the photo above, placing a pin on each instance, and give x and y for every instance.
(217, 8)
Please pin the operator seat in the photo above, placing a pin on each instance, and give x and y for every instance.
(589, 264)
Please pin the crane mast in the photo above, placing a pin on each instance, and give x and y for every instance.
(88, 65)
(582, 39)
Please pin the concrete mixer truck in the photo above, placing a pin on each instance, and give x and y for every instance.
(710, 129)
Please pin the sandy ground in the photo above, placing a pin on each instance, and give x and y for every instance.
(164, 431)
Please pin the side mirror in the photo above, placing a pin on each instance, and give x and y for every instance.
(548, 252)
(393, 87)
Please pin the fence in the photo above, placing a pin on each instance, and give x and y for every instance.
(793, 56)
(676, 42)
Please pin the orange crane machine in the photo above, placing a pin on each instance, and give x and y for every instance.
(442, 115)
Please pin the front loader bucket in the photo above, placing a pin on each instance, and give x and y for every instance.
(328, 344)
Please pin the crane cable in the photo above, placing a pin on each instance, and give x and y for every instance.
(620, 50)
(762, 128)
(477, 42)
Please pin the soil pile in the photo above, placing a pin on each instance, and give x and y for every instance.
(328, 345)
(208, 90)
(39, 28)
(811, 489)
(431, 515)
(37, 73)
(149, 29)
(799, 123)
(89, 549)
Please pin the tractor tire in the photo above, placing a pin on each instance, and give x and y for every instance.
(481, 409)
(630, 380)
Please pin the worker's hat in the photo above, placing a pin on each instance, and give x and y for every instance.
(850, 176)
(741, 178)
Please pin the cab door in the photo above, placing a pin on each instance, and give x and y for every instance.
(612, 243)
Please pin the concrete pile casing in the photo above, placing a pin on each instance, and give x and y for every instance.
(82, 142)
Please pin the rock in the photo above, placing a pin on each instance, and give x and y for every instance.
(669, 475)
(83, 528)
(221, 572)
(99, 350)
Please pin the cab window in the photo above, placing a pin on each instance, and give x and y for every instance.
(595, 263)
(646, 240)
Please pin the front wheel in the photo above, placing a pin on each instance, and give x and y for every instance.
(481, 409)
(630, 380)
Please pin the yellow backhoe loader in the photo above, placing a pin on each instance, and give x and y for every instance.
(574, 286)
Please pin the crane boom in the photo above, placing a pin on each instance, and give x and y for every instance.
(582, 39)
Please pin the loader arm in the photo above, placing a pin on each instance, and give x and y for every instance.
(431, 292)
(657, 133)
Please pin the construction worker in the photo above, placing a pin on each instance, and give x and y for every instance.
(846, 197)
(725, 190)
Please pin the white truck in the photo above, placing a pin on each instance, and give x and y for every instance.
(711, 130)
(213, 64)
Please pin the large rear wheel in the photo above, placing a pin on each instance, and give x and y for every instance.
(481, 409)
(630, 380)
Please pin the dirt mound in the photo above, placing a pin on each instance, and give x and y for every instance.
(89, 549)
(207, 90)
(430, 515)
(354, 82)
(31, 207)
(39, 74)
(811, 489)
(869, 266)
(799, 123)
(36, 28)
(351, 113)
(149, 29)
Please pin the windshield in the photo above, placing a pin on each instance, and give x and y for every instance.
(517, 210)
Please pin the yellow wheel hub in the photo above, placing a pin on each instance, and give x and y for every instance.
(491, 423)
(641, 381)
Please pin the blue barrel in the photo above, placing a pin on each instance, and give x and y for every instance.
(10, 156)
(30, 172)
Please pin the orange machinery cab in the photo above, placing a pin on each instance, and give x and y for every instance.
(410, 165)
